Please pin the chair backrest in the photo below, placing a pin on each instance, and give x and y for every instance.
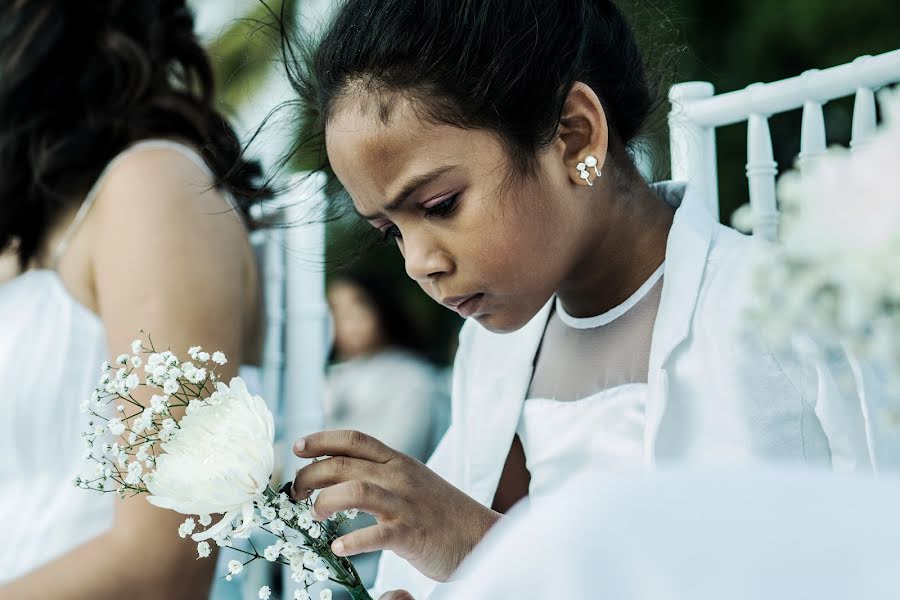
(697, 111)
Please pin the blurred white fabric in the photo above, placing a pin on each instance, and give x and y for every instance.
(698, 535)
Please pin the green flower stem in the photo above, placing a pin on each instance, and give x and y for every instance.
(343, 571)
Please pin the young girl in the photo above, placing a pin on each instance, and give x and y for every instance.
(604, 331)
(111, 220)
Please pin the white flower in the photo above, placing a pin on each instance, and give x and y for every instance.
(301, 595)
(116, 426)
(134, 473)
(194, 350)
(170, 386)
(325, 594)
(159, 404)
(122, 373)
(202, 357)
(142, 453)
(154, 360)
(289, 550)
(136, 362)
(304, 520)
(122, 359)
(272, 553)
(105, 366)
(311, 559)
(352, 513)
(315, 531)
(220, 461)
(264, 593)
(268, 513)
(203, 549)
(235, 567)
(132, 381)
(136, 346)
(219, 358)
(205, 520)
(321, 574)
(186, 528)
(277, 526)
(196, 375)
(159, 370)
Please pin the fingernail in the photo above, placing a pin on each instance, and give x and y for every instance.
(337, 546)
(299, 445)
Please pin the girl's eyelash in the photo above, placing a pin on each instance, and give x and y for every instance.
(444, 208)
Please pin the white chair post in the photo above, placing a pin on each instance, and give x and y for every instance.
(863, 118)
(693, 146)
(307, 326)
(761, 172)
(812, 134)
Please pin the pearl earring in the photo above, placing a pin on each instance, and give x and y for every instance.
(590, 161)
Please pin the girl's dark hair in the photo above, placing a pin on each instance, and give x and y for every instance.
(504, 66)
(81, 81)
(400, 330)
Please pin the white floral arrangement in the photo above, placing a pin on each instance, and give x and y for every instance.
(148, 450)
(835, 276)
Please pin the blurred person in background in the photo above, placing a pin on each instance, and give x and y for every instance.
(124, 205)
(380, 381)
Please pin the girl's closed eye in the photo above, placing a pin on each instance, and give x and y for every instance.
(442, 206)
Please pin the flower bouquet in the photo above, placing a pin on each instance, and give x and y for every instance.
(216, 459)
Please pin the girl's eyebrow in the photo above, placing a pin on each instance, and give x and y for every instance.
(407, 190)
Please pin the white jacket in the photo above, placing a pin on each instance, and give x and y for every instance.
(716, 393)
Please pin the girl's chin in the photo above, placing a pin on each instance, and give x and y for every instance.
(501, 322)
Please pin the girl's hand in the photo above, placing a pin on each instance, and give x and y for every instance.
(421, 517)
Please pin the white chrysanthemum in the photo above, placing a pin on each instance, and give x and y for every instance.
(220, 460)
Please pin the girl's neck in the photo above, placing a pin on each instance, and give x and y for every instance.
(617, 263)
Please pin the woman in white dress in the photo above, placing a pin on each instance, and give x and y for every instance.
(116, 214)
(490, 141)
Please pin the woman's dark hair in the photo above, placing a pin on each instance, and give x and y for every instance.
(399, 329)
(81, 81)
(504, 66)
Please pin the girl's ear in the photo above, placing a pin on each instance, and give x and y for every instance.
(584, 132)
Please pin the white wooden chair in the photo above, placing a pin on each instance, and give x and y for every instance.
(697, 112)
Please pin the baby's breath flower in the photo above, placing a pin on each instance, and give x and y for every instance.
(325, 594)
(132, 381)
(315, 531)
(205, 520)
(122, 373)
(116, 427)
(272, 553)
(194, 350)
(203, 549)
(136, 346)
(196, 375)
(136, 362)
(277, 526)
(301, 595)
(122, 359)
(134, 473)
(265, 593)
(235, 567)
(186, 528)
(170, 386)
(268, 513)
(105, 366)
(219, 358)
(159, 404)
(352, 513)
(321, 574)
(311, 560)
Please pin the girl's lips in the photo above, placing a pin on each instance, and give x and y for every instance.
(470, 306)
